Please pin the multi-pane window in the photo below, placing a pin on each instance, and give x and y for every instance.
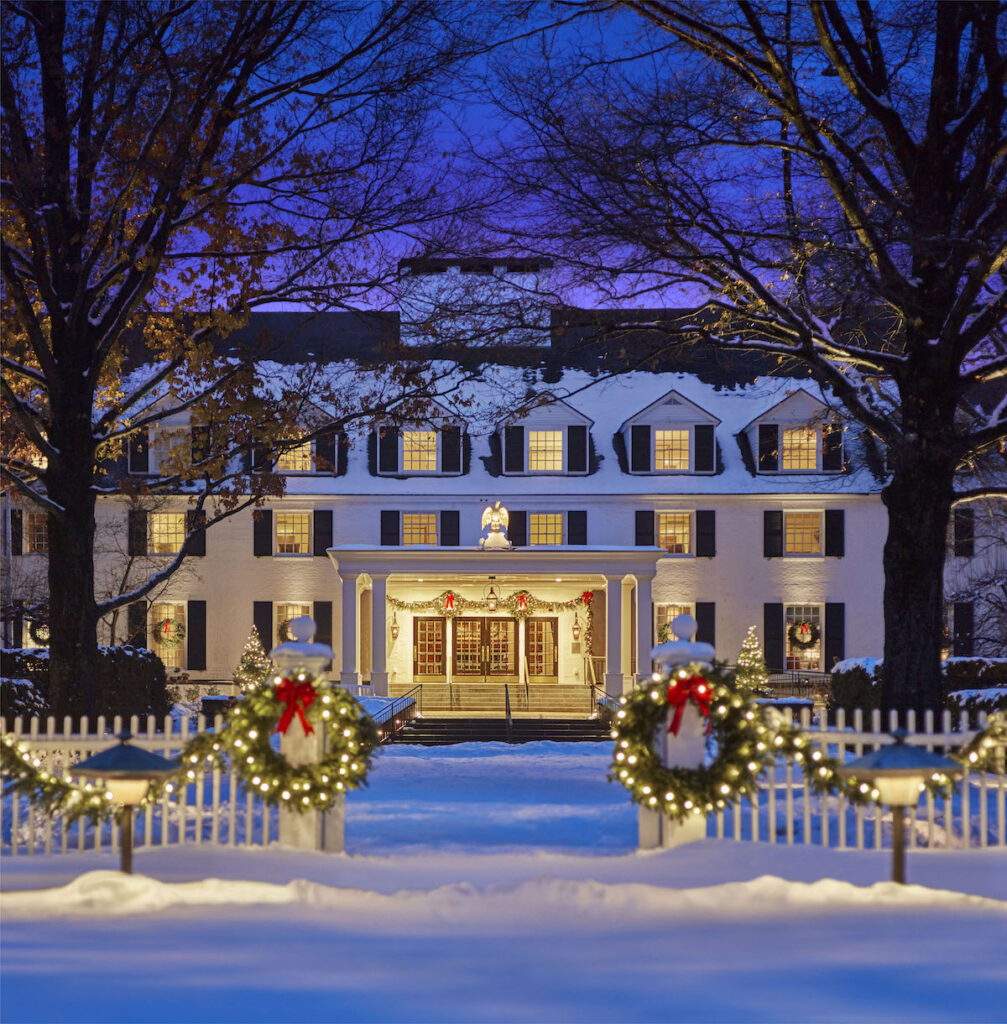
(545, 528)
(674, 532)
(36, 533)
(428, 647)
(419, 528)
(419, 451)
(800, 448)
(664, 615)
(804, 624)
(671, 450)
(802, 533)
(168, 445)
(167, 532)
(541, 649)
(296, 459)
(285, 613)
(545, 450)
(167, 630)
(293, 533)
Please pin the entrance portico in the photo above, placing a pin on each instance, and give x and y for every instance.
(400, 627)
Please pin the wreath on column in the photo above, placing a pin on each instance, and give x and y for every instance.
(804, 635)
(169, 632)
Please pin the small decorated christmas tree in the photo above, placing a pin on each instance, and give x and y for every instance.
(752, 673)
(255, 666)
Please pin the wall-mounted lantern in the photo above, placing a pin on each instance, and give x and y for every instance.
(491, 599)
(394, 627)
(575, 628)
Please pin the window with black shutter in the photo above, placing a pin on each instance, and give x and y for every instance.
(199, 443)
(835, 532)
(16, 531)
(705, 460)
(262, 619)
(322, 614)
(835, 634)
(390, 529)
(706, 533)
(706, 623)
(769, 446)
(321, 532)
(772, 534)
(514, 449)
(325, 452)
(832, 448)
(451, 450)
(139, 454)
(517, 529)
(576, 454)
(195, 636)
(644, 528)
(772, 636)
(639, 445)
(195, 528)
(388, 450)
(137, 532)
(262, 533)
(964, 532)
(576, 527)
(136, 624)
(450, 528)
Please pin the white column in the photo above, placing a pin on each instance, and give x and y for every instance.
(614, 681)
(627, 629)
(379, 635)
(644, 626)
(349, 676)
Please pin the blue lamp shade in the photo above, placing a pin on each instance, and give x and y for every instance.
(897, 771)
(127, 770)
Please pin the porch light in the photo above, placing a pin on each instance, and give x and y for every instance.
(394, 627)
(491, 600)
(575, 628)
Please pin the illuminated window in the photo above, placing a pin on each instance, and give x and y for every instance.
(664, 615)
(295, 460)
(671, 450)
(545, 528)
(419, 451)
(802, 533)
(293, 533)
(167, 532)
(800, 448)
(36, 533)
(168, 446)
(674, 532)
(803, 621)
(167, 629)
(419, 527)
(545, 450)
(284, 614)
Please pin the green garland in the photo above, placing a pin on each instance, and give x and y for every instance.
(814, 635)
(520, 604)
(169, 632)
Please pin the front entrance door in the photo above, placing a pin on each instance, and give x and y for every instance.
(485, 650)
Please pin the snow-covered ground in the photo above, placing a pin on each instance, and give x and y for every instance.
(496, 883)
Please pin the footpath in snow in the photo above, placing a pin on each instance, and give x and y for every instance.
(498, 883)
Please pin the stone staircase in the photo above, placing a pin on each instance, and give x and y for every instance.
(437, 732)
(540, 701)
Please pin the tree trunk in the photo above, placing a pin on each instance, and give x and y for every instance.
(918, 500)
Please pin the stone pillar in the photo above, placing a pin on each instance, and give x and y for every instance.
(349, 676)
(644, 627)
(310, 830)
(379, 635)
(614, 679)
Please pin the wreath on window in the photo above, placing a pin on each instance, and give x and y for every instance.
(804, 635)
(283, 631)
(38, 632)
(169, 632)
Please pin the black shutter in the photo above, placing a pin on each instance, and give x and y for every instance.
(517, 529)
(262, 619)
(451, 450)
(136, 624)
(576, 527)
(16, 531)
(137, 532)
(323, 622)
(450, 528)
(17, 638)
(772, 636)
(389, 529)
(514, 449)
(196, 542)
(246, 462)
(964, 526)
(835, 532)
(704, 460)
(639, 450)
(388, 450)
(262, 533)
(576, 454)
(964, 626)
(195, 636)
(260, 458)
(832, 449)
(769, 446)
(706, 533)
(199, 443)
(644, 528)
(322, 531)
(772, 534)
(139, 457)
(325, 452)
(835, 634)
(706, 622)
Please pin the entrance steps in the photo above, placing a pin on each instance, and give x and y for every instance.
(538, 700)
(438, 732)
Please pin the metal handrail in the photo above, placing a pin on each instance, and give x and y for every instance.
(510, 721)
(402, 710)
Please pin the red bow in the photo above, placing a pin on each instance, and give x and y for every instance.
(449, 602)
(298, 697)
(681, 691)
(522, 600)
(587, 596)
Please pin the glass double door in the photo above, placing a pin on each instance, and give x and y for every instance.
(485, 650)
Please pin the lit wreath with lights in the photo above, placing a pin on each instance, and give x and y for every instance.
(295, 701)
(804, 635)
(169, 632)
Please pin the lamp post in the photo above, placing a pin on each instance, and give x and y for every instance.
(897, 772)
(127, 772)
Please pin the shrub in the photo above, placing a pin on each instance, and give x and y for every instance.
(21, 697)
(858, 686)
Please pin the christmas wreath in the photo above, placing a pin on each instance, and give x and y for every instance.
(38, 632)
(804, 635)
(294, 701)
(169, 632)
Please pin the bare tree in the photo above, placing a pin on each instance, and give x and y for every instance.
(832, 179)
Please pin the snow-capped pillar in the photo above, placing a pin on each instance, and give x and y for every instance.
(644, 626)
(379, 638)
(349, 676)
(614, 679)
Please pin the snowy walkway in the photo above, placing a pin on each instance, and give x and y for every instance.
(540, 912)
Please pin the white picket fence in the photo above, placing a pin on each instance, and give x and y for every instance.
(208, 810)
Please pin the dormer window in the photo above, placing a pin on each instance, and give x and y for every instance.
(671, 450)
(295, 460)
(542, 448)
(419, 451)
(545, 451)
(800, 449)
(685, 449)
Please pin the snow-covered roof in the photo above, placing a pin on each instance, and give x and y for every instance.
(672, 397)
